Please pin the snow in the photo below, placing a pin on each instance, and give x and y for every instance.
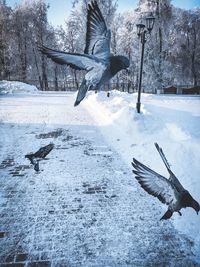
(171, 121)
(14, 87)
(85, 208)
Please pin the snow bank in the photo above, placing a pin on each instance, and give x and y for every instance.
(172, 122)
(14, 87)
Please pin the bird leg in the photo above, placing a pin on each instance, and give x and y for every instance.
(179, 213)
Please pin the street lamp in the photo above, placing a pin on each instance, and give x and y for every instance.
(141, 32)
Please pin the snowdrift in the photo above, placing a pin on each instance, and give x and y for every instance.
(14, 87)
(172, 122)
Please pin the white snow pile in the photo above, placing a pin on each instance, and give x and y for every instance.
(170, 120)
(14, 87)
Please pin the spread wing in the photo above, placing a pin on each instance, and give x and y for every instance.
(154, 184)
(97, 36)
(76, 61)
(172, 177)
(44, 151)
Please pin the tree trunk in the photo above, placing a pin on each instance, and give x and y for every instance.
(56, 78)
(37, 68)
(76, 79)
(194, 72)
(44, 75)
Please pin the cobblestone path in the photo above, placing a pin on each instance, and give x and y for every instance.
(84, 208)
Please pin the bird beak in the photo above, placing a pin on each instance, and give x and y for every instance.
(197, 212)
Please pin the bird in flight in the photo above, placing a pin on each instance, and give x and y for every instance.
(97, 59)
(39, 155)
(168, 191)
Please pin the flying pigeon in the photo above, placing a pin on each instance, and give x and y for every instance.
(39, 155)
(168, 191)
(97, 59)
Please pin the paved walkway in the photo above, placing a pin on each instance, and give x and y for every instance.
(84, 208)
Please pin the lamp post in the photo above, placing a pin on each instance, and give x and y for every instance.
(142, 30)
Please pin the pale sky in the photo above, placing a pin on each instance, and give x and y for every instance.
(60, 9)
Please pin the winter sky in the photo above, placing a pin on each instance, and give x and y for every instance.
(60, 9)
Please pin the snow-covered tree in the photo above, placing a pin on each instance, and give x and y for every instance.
(5, 36)
(172, 52)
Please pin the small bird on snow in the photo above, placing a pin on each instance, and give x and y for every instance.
(39, 155)
(97, 60)
(168, 191)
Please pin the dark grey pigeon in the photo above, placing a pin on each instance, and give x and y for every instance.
(39, 155)
(168, 191)
(97, 60)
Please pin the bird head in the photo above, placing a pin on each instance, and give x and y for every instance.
(195, 205)
(118, 63)
(29, 156)
(125, 62)
(189, 201)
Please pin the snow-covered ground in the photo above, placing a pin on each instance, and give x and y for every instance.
(85, 208)
(171, 121)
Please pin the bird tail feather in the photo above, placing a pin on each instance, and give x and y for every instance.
(81, 93)
(33, 161)
(167, 215)
(36, 166)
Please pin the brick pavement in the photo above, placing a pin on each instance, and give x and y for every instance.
(84, 208)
